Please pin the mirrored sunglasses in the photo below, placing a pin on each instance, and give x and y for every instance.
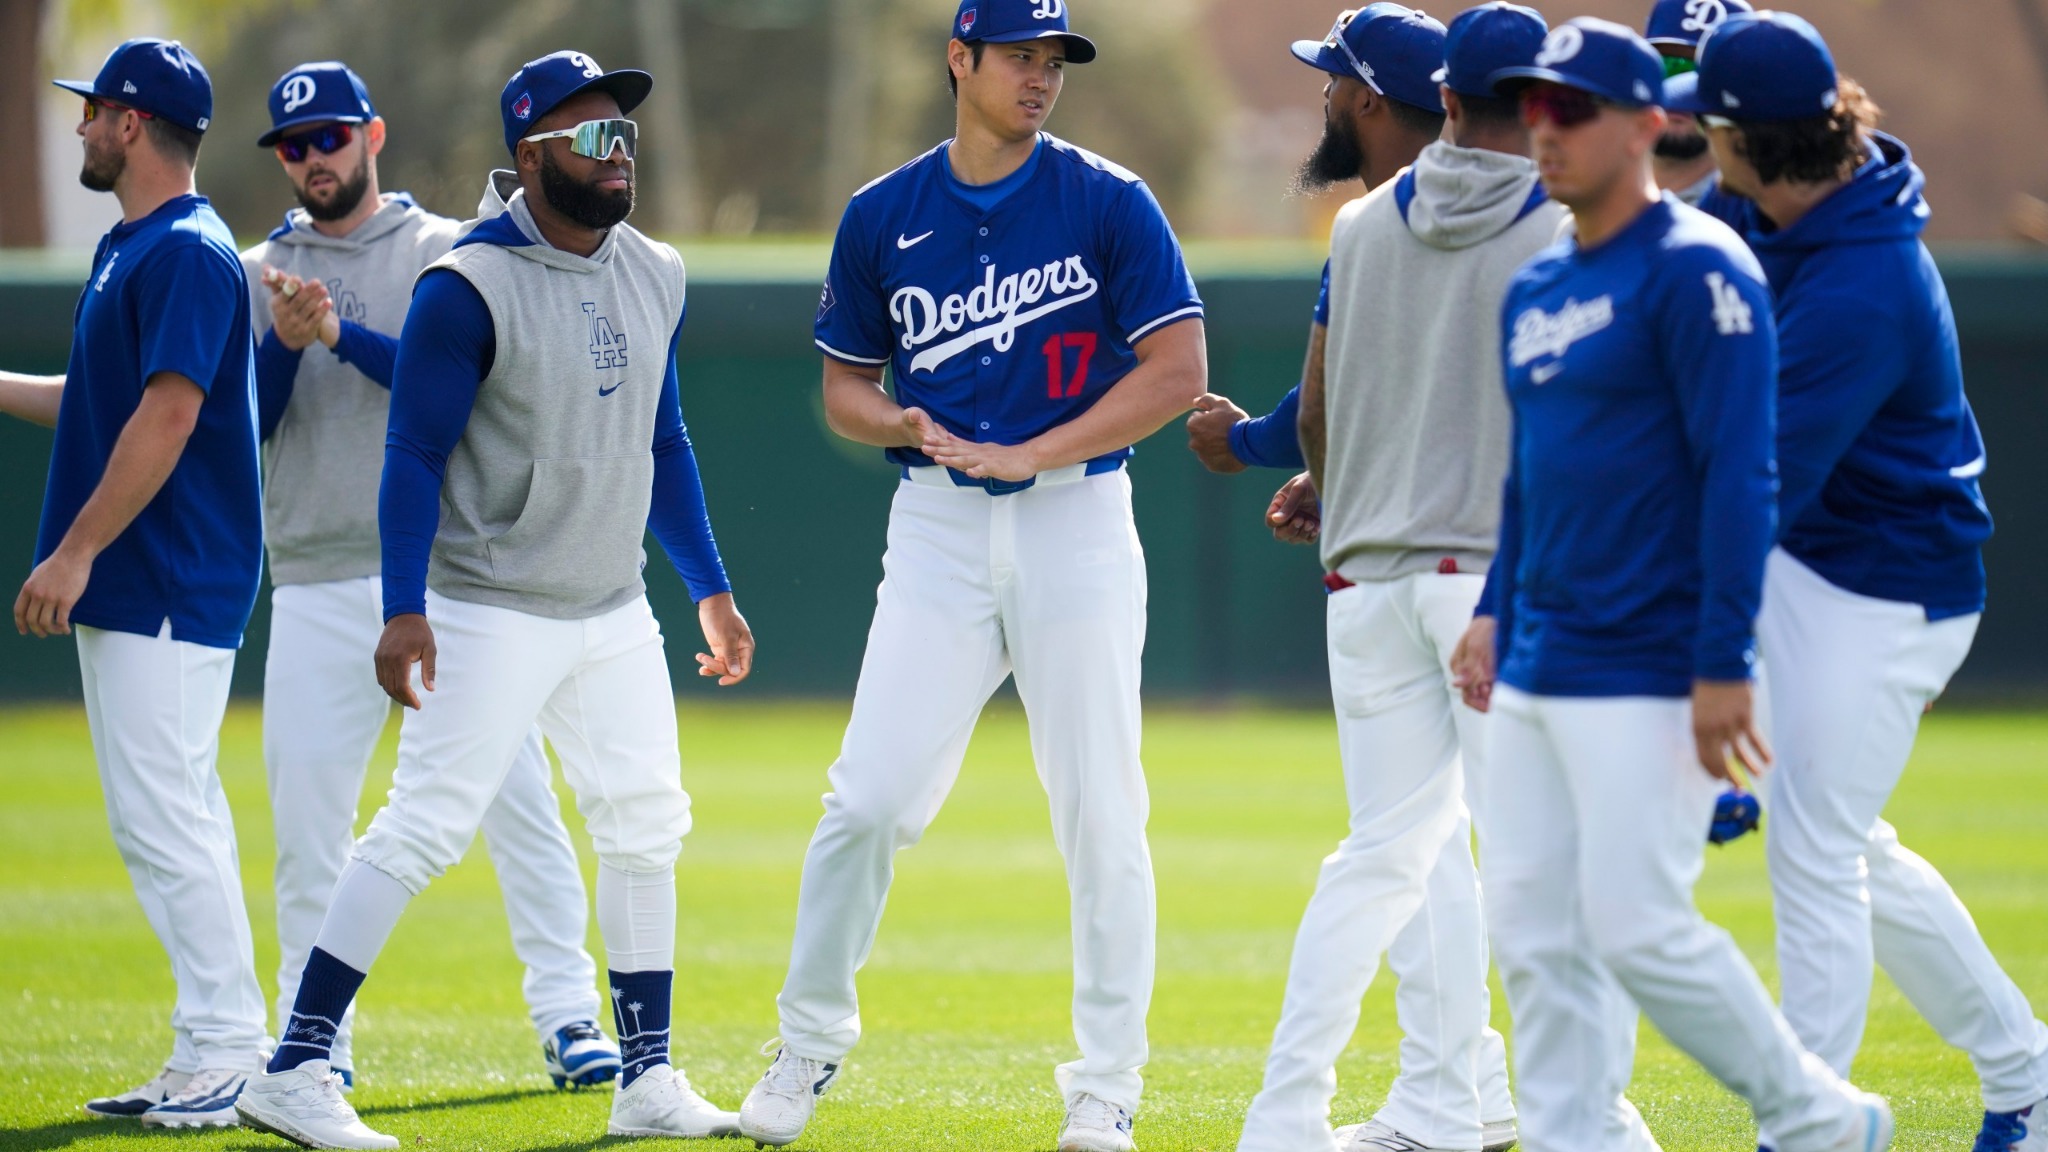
(1562, 106)
(326, 140)
(1336, 40)
(1679, 66)
(596, 138)
(93, 104)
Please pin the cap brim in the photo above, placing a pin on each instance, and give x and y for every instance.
(629, 86)
(82, 87)
(1672, 41)
(1317, 55)
(1080, 49)
(1682, 94)
(1509, 75)
(280, 131)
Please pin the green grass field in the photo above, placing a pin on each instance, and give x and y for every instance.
(965, 1000)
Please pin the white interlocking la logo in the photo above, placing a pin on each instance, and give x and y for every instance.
(1731, 312)
(1562, 44)
(1703, 15)
(1049, 10)
(589, 66)
(298, 92)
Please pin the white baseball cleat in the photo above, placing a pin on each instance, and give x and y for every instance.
(305, 1106)
(1095, 1125)
(1873, 1132)
(1498, 1135)
(775, 1112)
(206, 1101)
(141, 1098)
(1374, 1136)
(660, 1102)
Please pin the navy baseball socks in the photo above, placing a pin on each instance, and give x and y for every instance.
(325, 991)
(640, 1007)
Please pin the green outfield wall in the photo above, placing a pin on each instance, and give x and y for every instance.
(800, 514)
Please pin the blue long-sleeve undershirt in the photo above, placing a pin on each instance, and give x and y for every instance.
(447, 349)
(277, 368)
(1272, 440)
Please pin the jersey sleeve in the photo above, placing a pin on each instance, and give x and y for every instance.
(368, 351)
(1721, 353)
(1272, 440)
(1840, 357)
(853, 319)
(444, 353)
(1149, 283)
(191, 303)
(677, 514)
(1323, 298)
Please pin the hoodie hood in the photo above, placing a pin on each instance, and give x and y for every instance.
(1882, 203)
(298, 225)
(1457, 197)
(504, 220)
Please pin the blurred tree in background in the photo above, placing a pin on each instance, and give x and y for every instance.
(766, 114)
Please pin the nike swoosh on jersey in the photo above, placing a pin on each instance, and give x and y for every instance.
(1545, 373)
(903, 242)
(604, 391)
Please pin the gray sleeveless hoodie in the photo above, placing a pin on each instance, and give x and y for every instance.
(545, 499)
(322, 463)
(1416, 407)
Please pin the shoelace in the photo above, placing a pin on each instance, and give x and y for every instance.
(581, 1030)
(788, 1076)
(2001, 1131)
(1095, 1112)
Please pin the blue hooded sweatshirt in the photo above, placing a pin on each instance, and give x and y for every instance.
(1878, 452)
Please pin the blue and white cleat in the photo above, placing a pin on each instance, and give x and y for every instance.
(1095, 1125)
(2023, 1131)
(207, 1101)
(137, 1100)
(580, 1055)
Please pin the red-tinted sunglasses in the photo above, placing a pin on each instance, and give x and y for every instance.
(94, 103)
(1562, 106)
(327, 140)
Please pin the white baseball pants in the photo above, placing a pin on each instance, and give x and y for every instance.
(600, 691)
(1597, 814)
(1402, 882)
(323, 714)
(1048, 583)
(154, 707)
(1848, 678)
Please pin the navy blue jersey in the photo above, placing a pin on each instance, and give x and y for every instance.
(1640, 498)
(1006, 322)
(1879, 450)
(167, 294)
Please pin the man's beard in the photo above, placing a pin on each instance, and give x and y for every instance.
(586, 204)
(1681, 146)
(1337, 158)
(348, 194)
(102, 168)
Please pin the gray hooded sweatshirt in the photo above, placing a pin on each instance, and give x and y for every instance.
(1416, 406)
(321, 464)
(545, 499)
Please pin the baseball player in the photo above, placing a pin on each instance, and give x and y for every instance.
(149, 552)
(326, 287)
(1681, 162)
(1875, 590)
(1637, 512)
(533, 441)
(1404, 425)
(1031, 305)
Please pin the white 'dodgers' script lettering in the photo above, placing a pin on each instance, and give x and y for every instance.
(1539, 333)
(998, 307)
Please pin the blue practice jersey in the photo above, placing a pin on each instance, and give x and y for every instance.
(1273, 440)
(1640, 498)
(1003, 322)
(167, 294)
(1876, 442)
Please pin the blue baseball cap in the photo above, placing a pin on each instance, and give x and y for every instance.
(1684, 23)
(540, 85)
(1598, 56)
(326, 92)
(1758, 66)
(1015, 21)
(160, 77)
(1396, 51)
(1486, 39)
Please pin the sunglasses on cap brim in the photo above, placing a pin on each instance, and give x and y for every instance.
(326, 140)
(596, 138)
(1563, 106)
(1336, 40)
